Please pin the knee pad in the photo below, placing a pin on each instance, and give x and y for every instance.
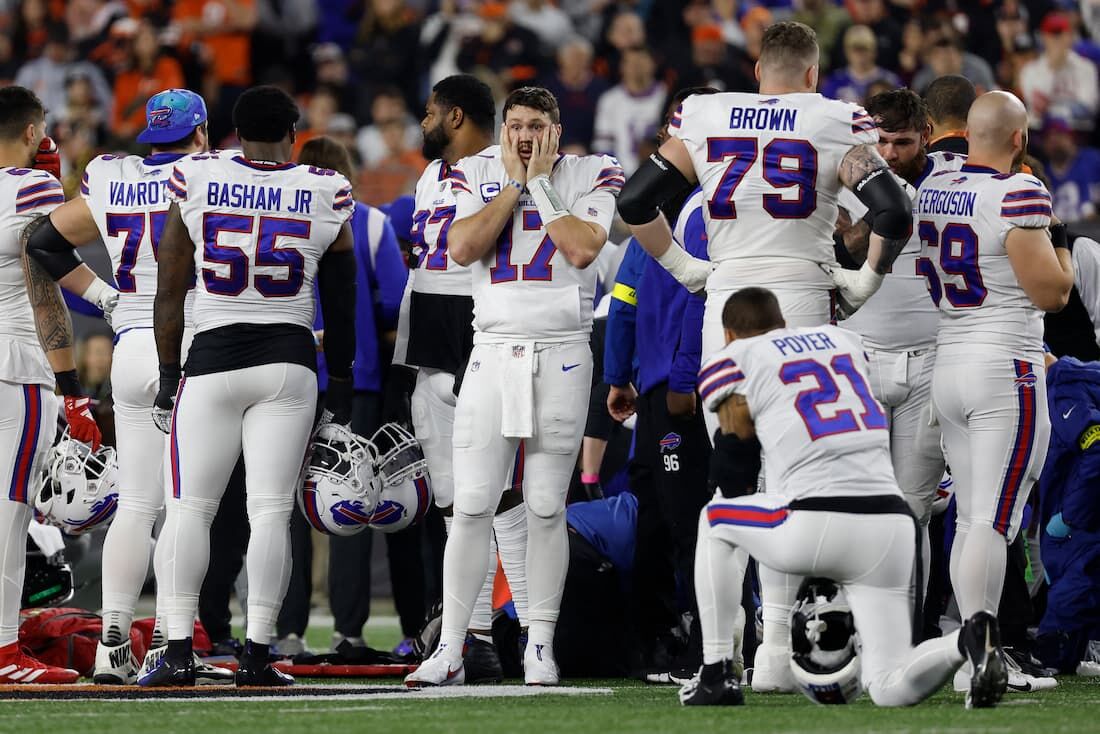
(269, 508)
(544, 505)
(474, 502)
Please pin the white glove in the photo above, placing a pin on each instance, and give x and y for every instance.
(47, 537)
(854, 286)
(690, 271)
(103, 296)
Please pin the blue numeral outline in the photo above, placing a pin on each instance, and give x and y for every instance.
(134, 225)
(809, 401)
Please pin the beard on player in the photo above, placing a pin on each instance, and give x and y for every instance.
(435, 142)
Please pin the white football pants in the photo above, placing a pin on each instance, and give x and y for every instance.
(993, 413)
(871, 556)
(268, 411)
(28, 423)
(483, 458)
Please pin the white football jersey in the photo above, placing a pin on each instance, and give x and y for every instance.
(900, 316)
(128, 198)
(962, 220)
(259, 230)
(25, 193)
(437, 273)
(524, 289)
(768, 166)
(822, 430)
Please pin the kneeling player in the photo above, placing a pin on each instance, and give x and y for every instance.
(804, 392)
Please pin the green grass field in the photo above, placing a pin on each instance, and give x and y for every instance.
(630, 707)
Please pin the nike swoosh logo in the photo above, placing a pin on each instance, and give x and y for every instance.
(1023, 689)
(451, 673)
(567, 367)
(1066, 414)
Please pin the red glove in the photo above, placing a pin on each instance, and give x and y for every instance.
(48, 158)
(82, 425)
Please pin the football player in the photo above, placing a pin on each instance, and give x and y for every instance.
(257, 231)
(898, 323)
(994, 263)
(529, 221)
(30, 363)
(771, 166)
(803, 392)
(123, 202)
(437, 336)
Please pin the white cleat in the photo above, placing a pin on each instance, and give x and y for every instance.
(441, 669)
(539, 666)
(205, 673)
(772, 671)
(1018, 681)
(115, 665)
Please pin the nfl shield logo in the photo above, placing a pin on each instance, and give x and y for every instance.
(518, 351)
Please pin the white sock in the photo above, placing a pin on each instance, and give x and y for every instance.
(510, 528)
(980, 571)
(267, 563)
(778, 591)
(126, 551)
(14, 518)
(464, 568)
(719, 575)
(547, 564)
(481, 618)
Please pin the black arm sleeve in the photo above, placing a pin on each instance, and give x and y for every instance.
(890, 212)
(336, 285)
(655, 182)
(52, 251)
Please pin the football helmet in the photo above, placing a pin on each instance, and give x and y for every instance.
(824, 644)
(80, 491)
(406, 488)
(340, 485)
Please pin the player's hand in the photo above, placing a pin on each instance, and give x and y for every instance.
(854, 287)
(509, 156)
(680, 404)
(397, 395)
(48, 157)
(165, 402)
(620, 401)
(544, 153)
(82, 426)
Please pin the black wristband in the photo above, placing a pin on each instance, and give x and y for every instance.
(68, 383)
(338, 397)
(170, 372)
(1058, 236)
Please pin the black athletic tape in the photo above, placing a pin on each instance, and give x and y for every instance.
(1059, 237)
(888, 206)
(655, 182)
(52, 251)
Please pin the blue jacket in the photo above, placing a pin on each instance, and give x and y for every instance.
(655, 327)
(610, 525)
(380, 282)
(1070, 482)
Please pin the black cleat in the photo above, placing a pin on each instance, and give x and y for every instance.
(980, 643)
(261, 676)
(168, 673)
(481, 661)
(713, 687)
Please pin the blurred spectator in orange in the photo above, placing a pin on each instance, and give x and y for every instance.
(827, 20)
(47, 76)
(545, 20)
(89, 21)
(388, 112)
(399, 168)
(754, 23)
(387, 51)
(1060, 83)
(944, 56)
(715, 63)
(323, 104)
(1073, 172)
(148, 70)
(725, 15)
(502, 47)
(886, 27)
(577, 90)
(630, 112)
(851, 82)
(218, 33)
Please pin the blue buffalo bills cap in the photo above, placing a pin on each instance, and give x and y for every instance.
(171, 115)
(400, 212)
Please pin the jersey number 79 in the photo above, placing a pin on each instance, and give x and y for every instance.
(787, 164)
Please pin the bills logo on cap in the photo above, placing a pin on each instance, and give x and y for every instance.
(160, 117)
